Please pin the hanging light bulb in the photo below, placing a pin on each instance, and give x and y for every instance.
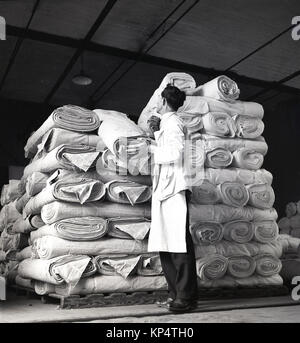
(82, 79)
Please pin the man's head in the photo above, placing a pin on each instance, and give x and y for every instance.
(172, 98)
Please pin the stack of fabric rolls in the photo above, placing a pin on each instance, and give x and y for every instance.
(87, 221)
(232, 219)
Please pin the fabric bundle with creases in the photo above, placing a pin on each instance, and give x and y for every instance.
(295, 222)
(113, 284)
(227, 249)
(76, 191)
(26, 283)
(129, 228)
(252, 281)
(8, 215)
(36, 182)
(261, 196)
(224, 213)
(233, 194)
(10, 192)
(58, 210)
(149, 265)
(206, 232)
(267, 265)
(12, 242)
(192, 122)
(48, 246)
(67, 268)
(71, 157)
(21, 202)
(241, 266)
(239, 231)
(220, 88)
(74, 229)
(290, 245)
(108, 171)
(291, 209)
(218, 158)
(43, 288)
(218, 124)
(284, 225)
(205, 193)
(127, 192)
(211, 267)
(248, 127)
(122, 265)
(265, 231)
(233, 144)
(68, 117)
(247, 159)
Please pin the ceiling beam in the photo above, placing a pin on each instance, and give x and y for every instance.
(112, 51)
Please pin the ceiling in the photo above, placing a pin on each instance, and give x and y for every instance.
(129, 45)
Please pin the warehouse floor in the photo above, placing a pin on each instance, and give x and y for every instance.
(21, 309)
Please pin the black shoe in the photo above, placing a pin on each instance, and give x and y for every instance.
(182, 305)
(164, 303)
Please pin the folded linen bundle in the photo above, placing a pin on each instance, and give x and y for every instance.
(122, 265)
(267, 265)
(206, 232)
(58, 210)
(211, 267)
(129, 228)
(239, 231)
(149, 265)
(127, 192)
(261, 196)
(36, 182)
(224, 213)
(8, 215)
(111, 284)
(247, 159)
(74, 229)
(218, 158)
(228, 249)
(69, 117)
(205, 193)
(248, 127)
(47, 247)
(295, 222)
(77, 191)
(265, 231)
(10, 192)
(220, 88)
(233, 194)
(192, 122)
(241, 266)
(291, 209)
(21, 202)
(252, 281)
(218, 124)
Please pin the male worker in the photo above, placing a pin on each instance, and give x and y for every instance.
(169, 232)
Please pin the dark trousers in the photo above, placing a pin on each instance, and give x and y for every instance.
(180, 268)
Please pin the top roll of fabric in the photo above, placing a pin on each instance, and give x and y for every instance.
(69, 117)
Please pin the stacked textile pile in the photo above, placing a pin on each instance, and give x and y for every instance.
(87, 223)
(233, 222)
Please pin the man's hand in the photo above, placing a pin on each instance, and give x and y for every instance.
(153, 124)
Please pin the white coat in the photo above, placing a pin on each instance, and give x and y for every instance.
(169, 208)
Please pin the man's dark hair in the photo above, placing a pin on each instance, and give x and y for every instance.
(174, 96)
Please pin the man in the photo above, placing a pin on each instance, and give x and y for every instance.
(169, 232)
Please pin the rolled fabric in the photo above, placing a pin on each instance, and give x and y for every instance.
(43, 288)
(295, 222)
(284, 225)
(220, 88)
(192, 122)
(205, 193)
(241, 266)
(74, 229)
(70, 157)
(261, 196)
(247, 159)
(248, 127)
(129, 228)
(127, 192)
(35, 183)
(291, 209)
(206, 232)
(125, 265)
(26, 283)
(239, 231)
(267, 265)
(77, 191)
(21, 202)
(58, 210)
(218, 124)
(113, 284)
(149, 265)
(224, 213)
(218, 158)
(265, 231)
(233, 194)
(69, 117)
(211, 267)
(48, 247)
